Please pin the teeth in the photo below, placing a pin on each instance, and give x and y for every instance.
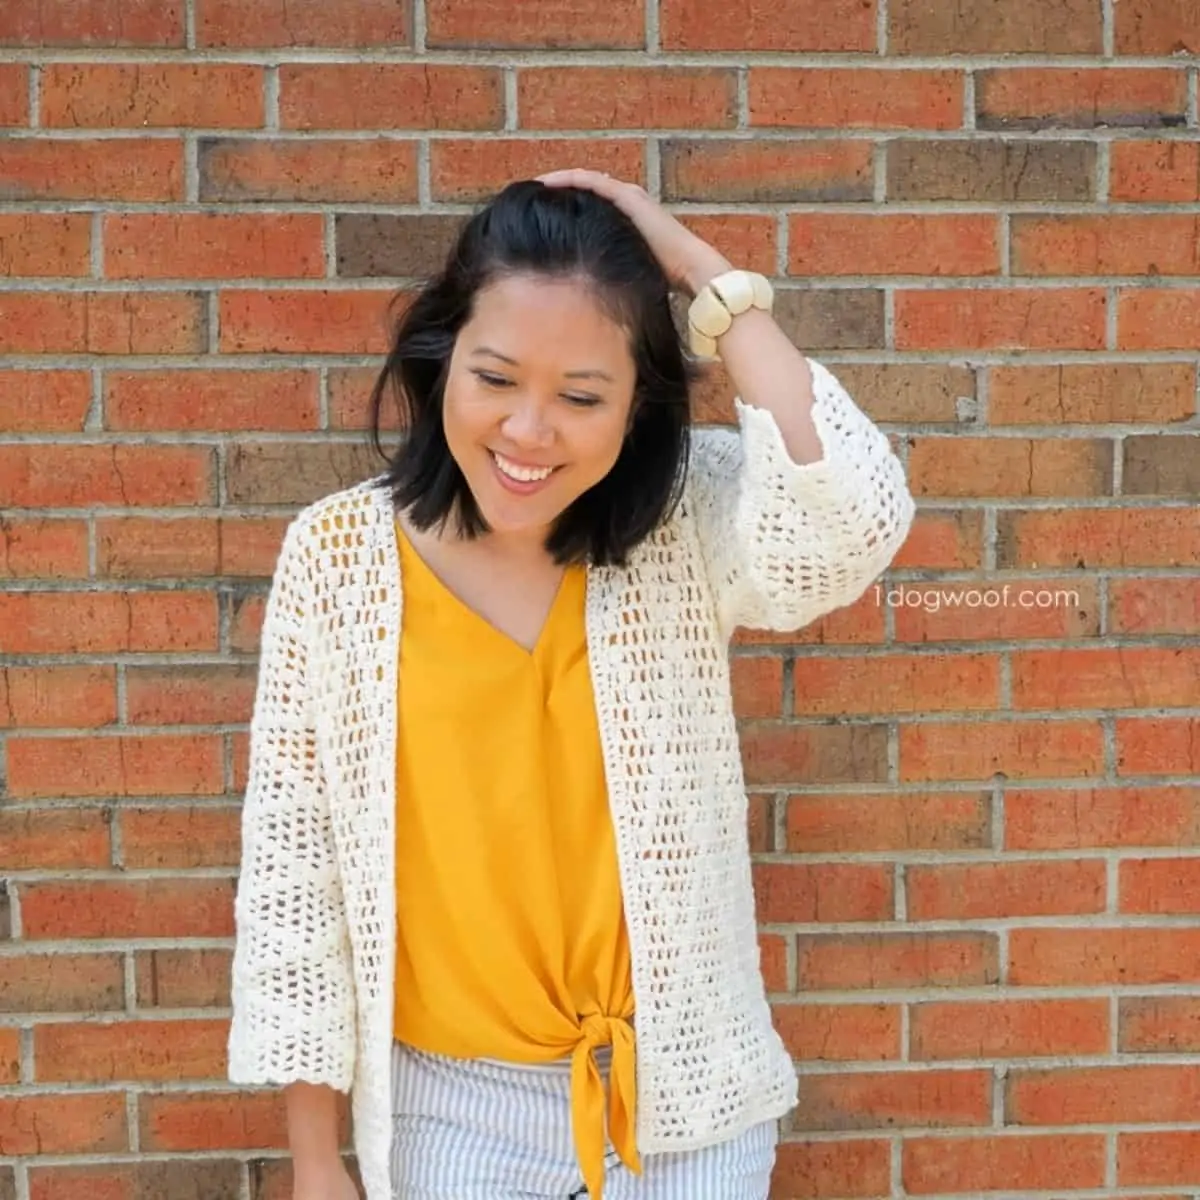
(521, 474)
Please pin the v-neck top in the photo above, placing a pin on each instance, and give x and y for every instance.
(512, 943)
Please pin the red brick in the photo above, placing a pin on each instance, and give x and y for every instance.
(14, 94)
(773, 949)
(842, 1169)
(1169, 1157)
(389, 96)
(101, 323)
(52, 697)
(246, 624)
(1091, 394)
(983, 27)
(1093, 957)
(212, 1120)
(1117, 244)
(871, 822)
(1122, 677)
(989, 611)
(54, 839)
(130, 1050)
(1157, 27)
(150, 95)
(626, 98)
(1003, 1163)
(183, 978)
(149, 908)
(1158, 319)
(63, 475)
(763, 25)
(1130, 537)
(897, 683)
(757, 686)
(766, 170)
(895, 960)
(943, 542)
(760, 822)
(314, 170)
(775, 752)
(44, 401)
(250, 545)
(189, 695)
(839, 1032)
(823, 892)
(1009, 1028)
(31, 549)
(240, 753)
(1001, 319)
(879, 1100)
(1160, 885)
(37, 983)
(1154, 606)
(850, 98)
(99, 23)
(10, 1055)
(1019, 749)
(1158, 746)
(45, 244)
(214, 1179)
(322, 321)
(153, 547)
(1079, 97)
(467, 170)
(107, 622)
(213, 246)
(1102, 1095)
(162, 838)
(1056, 819)
(749, 240)
(349, 398)
(549, 25)
(1159, 1024)
(968, 891)
(271, 23)
(124, 169)
(991, 466)
(908, 244)
(115, 766)
(856, 624)
(1154, 172)
(224, 400)
(64, 1124)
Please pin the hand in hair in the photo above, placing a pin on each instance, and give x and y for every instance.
(688, 261)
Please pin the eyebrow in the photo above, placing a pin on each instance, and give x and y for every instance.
(593, 373)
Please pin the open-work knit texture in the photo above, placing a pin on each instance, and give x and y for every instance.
(758, 541)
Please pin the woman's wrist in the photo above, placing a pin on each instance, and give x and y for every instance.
(707, 265)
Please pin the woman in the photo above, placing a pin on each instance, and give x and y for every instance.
(496, 880)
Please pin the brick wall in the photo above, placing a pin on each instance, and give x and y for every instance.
(976, 824)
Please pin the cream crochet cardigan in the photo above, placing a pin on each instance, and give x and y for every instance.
(758, 541)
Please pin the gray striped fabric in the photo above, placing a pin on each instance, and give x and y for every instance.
(485, 1130)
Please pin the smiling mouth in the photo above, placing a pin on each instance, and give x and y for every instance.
(518, 473)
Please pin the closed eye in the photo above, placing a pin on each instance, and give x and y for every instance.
(498, 381)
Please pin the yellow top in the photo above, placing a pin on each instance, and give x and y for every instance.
(512, 938)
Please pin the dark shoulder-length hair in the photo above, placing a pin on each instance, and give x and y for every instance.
(561, 232)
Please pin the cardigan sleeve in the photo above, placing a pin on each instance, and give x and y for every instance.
(785, 543)
(292, 993)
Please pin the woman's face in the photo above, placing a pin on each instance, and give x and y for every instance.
(537, 401)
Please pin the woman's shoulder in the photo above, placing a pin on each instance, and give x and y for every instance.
(352, 510)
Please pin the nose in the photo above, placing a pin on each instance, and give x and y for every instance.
(526, 423)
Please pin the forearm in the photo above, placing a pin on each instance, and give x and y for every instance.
(766, 369)
(312, 1126)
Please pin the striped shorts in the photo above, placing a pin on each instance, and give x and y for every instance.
(498, 1131)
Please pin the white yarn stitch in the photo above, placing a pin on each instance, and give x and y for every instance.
(759, 541)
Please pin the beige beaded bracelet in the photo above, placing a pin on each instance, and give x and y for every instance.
(729, 295)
